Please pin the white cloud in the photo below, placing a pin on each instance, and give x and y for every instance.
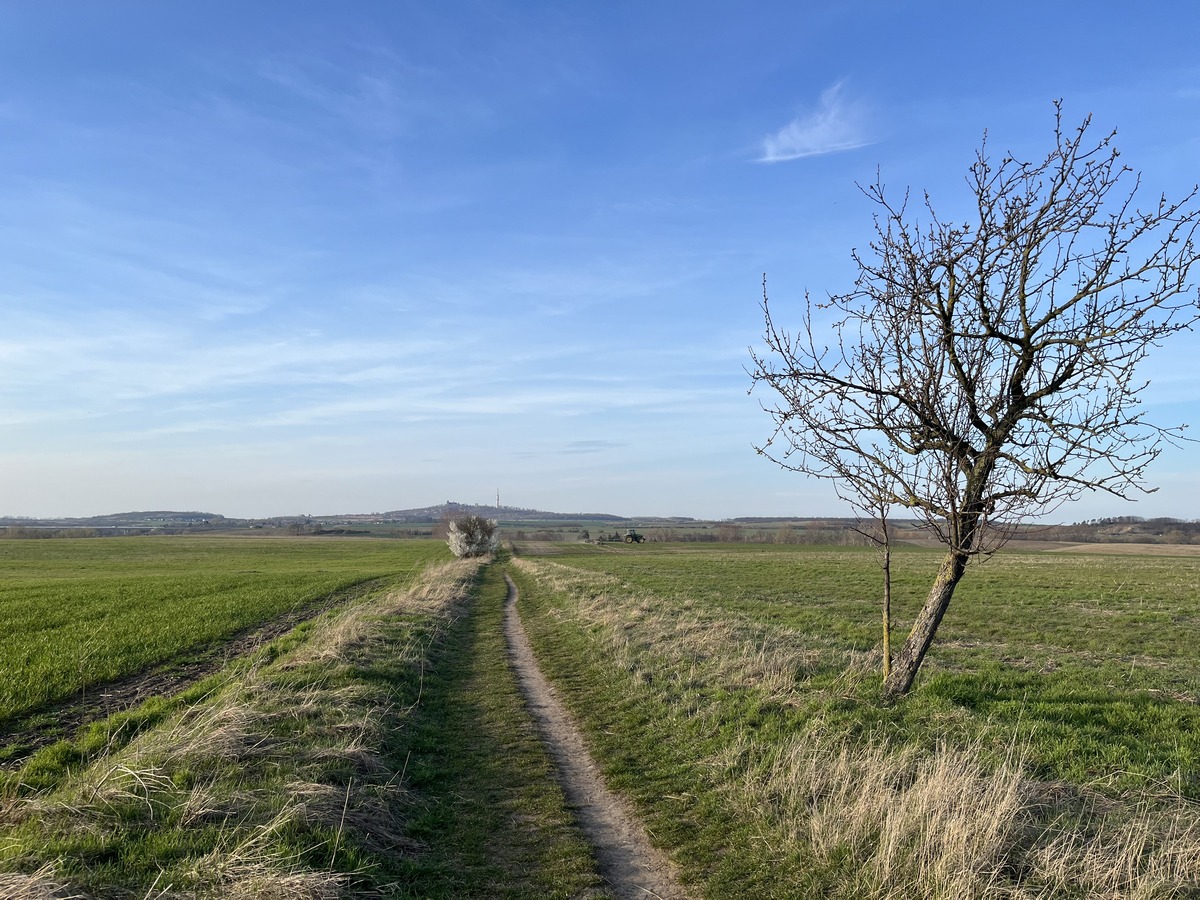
(836, 124)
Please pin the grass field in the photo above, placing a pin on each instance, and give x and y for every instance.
(1053, 741)
(77, 613)
(1051, 747)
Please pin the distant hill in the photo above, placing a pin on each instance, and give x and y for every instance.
(169, 519)
(453, 509)
(144, 519)
(1119, 530)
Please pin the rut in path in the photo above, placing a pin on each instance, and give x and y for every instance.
(628, 862)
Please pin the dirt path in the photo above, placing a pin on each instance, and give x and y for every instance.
(629, 863)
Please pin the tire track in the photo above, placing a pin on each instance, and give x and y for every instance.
(628, 862)
(22, 737)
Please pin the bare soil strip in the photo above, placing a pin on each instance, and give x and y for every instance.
(630, 864)
(25, 736)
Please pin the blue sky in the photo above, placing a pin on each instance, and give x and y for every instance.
(279, 258)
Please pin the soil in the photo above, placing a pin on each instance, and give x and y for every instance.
(628, 862)
(1128, 549)
(1100, 547)
(22, 738)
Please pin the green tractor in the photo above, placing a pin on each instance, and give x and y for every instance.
(632, 537)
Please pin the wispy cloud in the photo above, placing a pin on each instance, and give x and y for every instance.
(591, 447)
(837, 124)
(367, 96)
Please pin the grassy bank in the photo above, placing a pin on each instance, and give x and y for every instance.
(1050, 751)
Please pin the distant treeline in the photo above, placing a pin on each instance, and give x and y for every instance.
(736, 533)
(26, 532)
(31, 532)
(723, 533)
(1117, 530)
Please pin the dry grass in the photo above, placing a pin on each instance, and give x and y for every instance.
(370, 810)
(437, 592)
(254, 869)
(39, 885)
(650, 638)
(939, 824)
(914, 824)
(1153, 853)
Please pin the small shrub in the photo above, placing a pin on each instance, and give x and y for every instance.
(473, 536)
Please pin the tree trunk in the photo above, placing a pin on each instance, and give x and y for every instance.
(908, 660)
(887, 605)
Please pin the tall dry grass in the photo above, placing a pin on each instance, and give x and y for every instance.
(39, 885)
(901, 822)
(917, 823)
(650, 638)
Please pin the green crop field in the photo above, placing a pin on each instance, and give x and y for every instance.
(77, 613)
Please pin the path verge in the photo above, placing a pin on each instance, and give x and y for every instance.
(629, 863)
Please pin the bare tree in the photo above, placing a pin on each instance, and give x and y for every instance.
(983, 373)
(877, 532)
(729, 532)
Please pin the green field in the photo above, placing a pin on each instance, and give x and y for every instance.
(1051, 747)
(78, 613)
(1073, 609)
(1052, 741)
(1094, 655)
